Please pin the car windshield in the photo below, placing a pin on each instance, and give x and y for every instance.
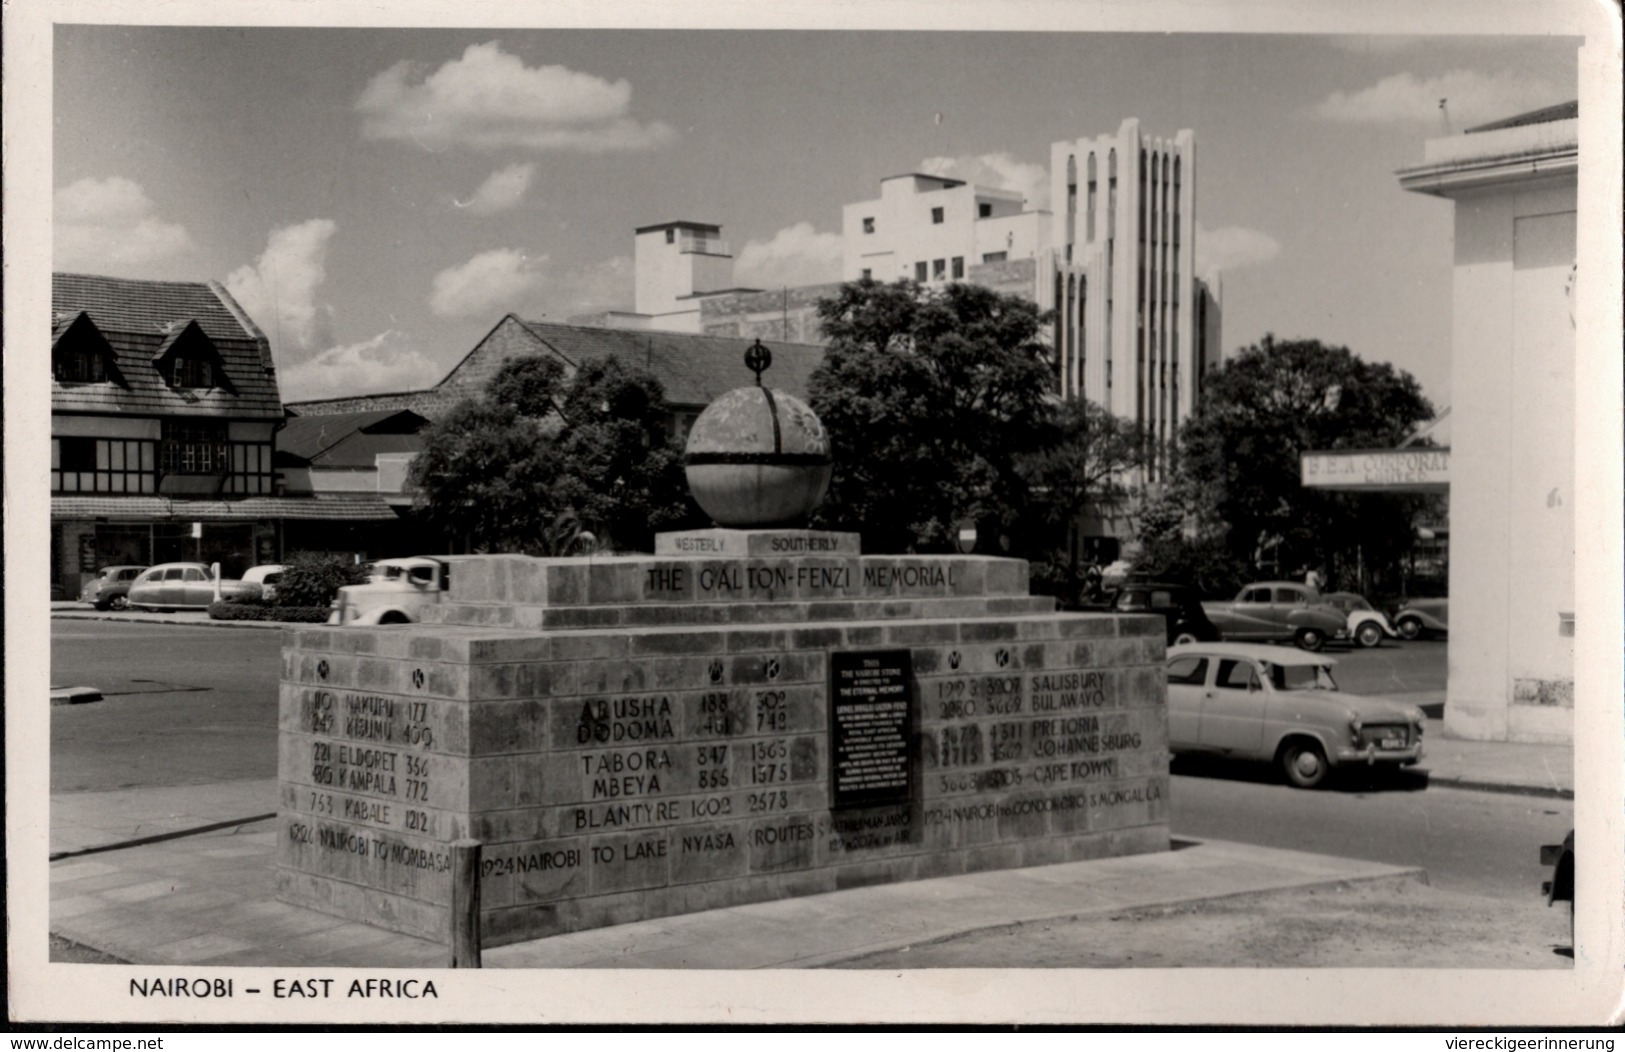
(389, 573)
(1301, 677)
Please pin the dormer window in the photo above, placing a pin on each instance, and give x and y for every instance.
(191, 372)
(79, 365)
(188, 360)
(80, 354)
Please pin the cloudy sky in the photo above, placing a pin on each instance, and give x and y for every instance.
(379, 198)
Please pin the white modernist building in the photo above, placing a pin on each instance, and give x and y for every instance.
(1112, 252)
(1511, 461)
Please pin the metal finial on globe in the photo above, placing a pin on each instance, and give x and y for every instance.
(758, 359)
(757, 457)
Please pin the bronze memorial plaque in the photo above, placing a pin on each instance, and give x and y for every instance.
(871, 728)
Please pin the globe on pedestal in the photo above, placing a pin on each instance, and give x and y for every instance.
(757, 457)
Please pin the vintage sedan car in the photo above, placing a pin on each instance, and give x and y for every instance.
(396, 592)
(1423, 617)
(1281, 706)
(264, 579)
(183, 586)
(1368, 626)
(110, 588)
(1187, 623)
(1270, 611)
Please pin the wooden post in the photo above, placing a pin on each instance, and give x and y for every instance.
(465, 904)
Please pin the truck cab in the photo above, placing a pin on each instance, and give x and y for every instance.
(396, 592)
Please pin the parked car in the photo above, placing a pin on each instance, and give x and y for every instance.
(1367, 625)
(264, 578)
(1423, 617)
(1187, 623)
(110, 588)
(396, 592)
(1281, 705)
(1269, 611)
(182, 586)
(1561, 887)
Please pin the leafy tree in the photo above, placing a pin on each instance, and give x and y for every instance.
(541, 461)
(1082, 462)
(1239, 456)
(930, 397)
(314, 578)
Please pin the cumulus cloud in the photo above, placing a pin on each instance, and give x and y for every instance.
(279, 290)
(503, 190)
(796, 255)
(109, 222)
(1231, 248)
(488, 100)
(492, 281)
(1473, 98)
(999, 170)
(387, 362)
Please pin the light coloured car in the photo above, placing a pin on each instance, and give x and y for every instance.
(396, 592)
(110, 588)
(1423, 617)
(1281, 705)
(1367, 625)
(264, 579)
(183, 586)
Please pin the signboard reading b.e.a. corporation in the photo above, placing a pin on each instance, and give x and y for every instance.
(871, 728)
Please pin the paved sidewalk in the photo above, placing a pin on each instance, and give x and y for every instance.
(62, 610)
(210, 898)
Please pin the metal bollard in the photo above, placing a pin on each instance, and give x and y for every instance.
(465, 904)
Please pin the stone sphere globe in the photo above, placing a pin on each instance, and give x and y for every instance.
(757, 457)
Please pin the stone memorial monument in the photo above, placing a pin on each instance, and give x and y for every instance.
(754, 711)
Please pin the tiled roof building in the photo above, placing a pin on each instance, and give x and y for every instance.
(693, 369)
(164, 410)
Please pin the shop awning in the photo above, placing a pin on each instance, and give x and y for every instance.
(352, 507)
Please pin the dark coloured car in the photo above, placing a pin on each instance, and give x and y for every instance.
(1279, 610)
(1423, 617)
(1187, 622)
(110, 589)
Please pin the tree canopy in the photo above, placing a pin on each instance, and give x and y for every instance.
(930, 398)
(541, 451)
(1239, 473)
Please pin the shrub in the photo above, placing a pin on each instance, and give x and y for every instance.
(227, 610)
(313, 579)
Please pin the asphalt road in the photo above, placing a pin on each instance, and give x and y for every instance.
(191, 705)
(181, 705)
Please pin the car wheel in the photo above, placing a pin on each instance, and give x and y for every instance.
(101, 604)
(1310, 638)
(1369, 634)
(1184, 636)
(119, 602)
(1304, 764)
(1410, 627)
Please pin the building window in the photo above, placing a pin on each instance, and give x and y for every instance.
(939, 269)
(671, 237)
(868, 224)
(194, 447)
(995, 257)
(936, 215)
(102, 465)
(959, 267)
(919, 271)
(79, 365)
(191, 371)
(984, 210)
(868, 275)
